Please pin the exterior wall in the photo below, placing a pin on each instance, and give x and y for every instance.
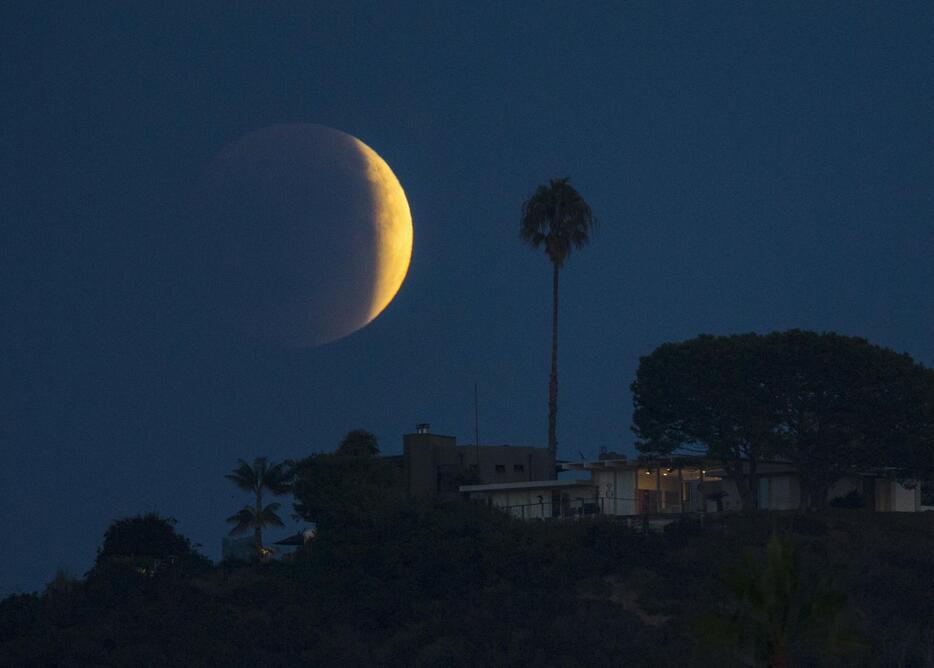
(779, 492)
(905, 500)
(626, 492)
(519, 463)
(435, 464)
(428, 457)
(891, 496)
(616, 491)
(540, 503)
(731, 501)
(526, 504)
(657, 492)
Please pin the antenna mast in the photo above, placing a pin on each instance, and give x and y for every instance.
(476, 423)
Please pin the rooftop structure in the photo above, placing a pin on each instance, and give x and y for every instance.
(436, 464)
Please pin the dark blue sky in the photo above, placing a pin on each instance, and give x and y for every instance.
(754, 167)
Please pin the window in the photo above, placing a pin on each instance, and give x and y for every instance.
(518, 468)
(500, 468)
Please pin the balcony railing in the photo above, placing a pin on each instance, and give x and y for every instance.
(580, 508)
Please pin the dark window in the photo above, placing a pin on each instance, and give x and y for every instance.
(518, 468)
(500, 468)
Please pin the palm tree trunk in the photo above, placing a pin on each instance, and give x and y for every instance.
(258, 527)
(553, 382)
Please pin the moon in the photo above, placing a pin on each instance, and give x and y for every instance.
(307, 235)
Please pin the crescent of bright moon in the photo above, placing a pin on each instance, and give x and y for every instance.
(393, 223)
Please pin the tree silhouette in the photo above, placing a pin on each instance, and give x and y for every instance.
(359, 443)
(256, 478)
(557, 218)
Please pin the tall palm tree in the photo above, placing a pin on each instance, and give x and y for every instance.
(256, 478)
(557, 218)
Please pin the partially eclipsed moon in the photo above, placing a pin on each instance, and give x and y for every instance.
(308, 234)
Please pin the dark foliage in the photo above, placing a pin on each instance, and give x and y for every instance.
(350, 482)
(431, 584)
(829, 404)
(707, 396)
(392, 580)
(147, 541)
(853, 499)
(359, 443)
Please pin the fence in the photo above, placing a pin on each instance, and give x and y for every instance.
(578, 508)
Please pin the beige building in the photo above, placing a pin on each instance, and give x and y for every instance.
(540, 499)
(436, 464)
(621, 487)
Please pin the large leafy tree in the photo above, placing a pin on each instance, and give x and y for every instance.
(147, 542)
(707, 396)
(256, 478)
(831, 405)
(352, 481)
(359, 443)
(841, 404)
(557, 219)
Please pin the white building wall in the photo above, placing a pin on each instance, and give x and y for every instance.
(626, 492)
(892, 496)
(784, 492)
(606, 490)
(905, 500)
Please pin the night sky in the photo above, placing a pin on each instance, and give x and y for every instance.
(753, 167)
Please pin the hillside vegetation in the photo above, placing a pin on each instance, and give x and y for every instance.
(455, 584)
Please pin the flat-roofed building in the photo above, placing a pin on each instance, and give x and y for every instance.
(622, 487)
(436, 464)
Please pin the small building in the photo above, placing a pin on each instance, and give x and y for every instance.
(622, 487)
(538, 499)
(436, 464)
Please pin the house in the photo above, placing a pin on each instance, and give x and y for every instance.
(538, 499)
(435, 464)
(622, 487)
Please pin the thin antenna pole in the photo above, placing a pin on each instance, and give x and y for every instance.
(476, 422)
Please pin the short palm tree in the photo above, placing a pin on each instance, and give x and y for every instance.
(557, 218)
(256, 478)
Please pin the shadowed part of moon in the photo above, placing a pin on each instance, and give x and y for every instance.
(308, 234)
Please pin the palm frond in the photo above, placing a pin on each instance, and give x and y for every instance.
(269, 516)
(244, 519)
(558, 218)
(243, 477)
(277, 479)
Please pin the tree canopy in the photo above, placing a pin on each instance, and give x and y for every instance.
(827, 403)
(706, 396)
(351, 481)
(359, 443)
(146, 542)
(557, 218)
